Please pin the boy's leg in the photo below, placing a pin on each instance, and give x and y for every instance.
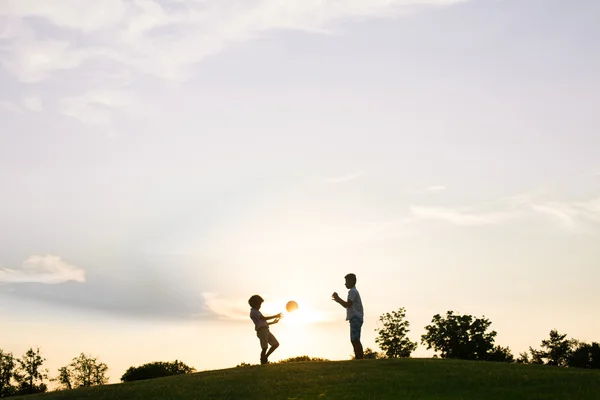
(355, 328)
(263, 356)
(358, 350)
(263, 335)
(274, 344)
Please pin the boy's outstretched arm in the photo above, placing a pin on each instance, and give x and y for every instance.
(271, 317)
(346, 304)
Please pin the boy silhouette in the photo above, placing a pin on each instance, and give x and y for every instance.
(354, 313)
(262, 328)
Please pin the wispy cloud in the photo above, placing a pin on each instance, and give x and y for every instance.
(164, 39)
(226, 308)
(570, 214)
(460, 217)
(344, 178)
(433, 189)
(96, 107)
(47, 269)
(129, 31)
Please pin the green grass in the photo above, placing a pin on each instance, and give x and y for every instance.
(365, 379)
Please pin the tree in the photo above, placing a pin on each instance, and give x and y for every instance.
(83, 371)
(584, 355)
(500, 354)
(523, 358)
(559, 348)
(392, 337)
(7, 370)
(156, 369)
(555, 351)
(460, 336)
(29, 375)
(537, 356)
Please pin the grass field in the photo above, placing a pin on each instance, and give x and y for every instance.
(365, 379)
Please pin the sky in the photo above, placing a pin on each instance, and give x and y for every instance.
(163, 160)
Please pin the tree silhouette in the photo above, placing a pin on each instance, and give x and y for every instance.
(463, 337)
(556, 350)
(523, 358)
(500, 354)
(7, 370)
(584, 355)
(392, 337)
(83, 371)
(29, 375)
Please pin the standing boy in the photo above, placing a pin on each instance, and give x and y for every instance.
(262, 328)
(354, 313)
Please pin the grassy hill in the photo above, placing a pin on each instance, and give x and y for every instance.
(365, 379)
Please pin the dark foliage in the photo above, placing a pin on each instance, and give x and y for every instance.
(157, 369)
(392, 337)
(464, 337)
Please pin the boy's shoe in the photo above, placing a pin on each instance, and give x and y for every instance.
(263, 360)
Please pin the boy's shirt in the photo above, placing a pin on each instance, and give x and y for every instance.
(256, 317)
(357, 308)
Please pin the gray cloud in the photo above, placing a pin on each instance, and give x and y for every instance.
(153, 290)
(47, 269)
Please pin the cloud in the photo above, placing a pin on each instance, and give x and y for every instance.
(86, 44)
(224, 308)
(163, 38)
(433, 189)
(344, 178)
(9, 106)
(460, 217)
(96, 107)
(164, 288)
(570, 214)
(32, 103)
(43, 269)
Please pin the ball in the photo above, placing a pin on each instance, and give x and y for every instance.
(291, 306)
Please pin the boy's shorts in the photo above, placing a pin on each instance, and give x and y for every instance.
(266, 338)
(355, 326)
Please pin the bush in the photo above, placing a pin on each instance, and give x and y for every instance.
(157, 369)
(301, 359)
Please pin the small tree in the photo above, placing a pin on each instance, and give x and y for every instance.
(392, 337)
(7, 371)
(537, 356)
(523, 358)
(83, 371)
(29, 375)
(556, 350)
(460, 336)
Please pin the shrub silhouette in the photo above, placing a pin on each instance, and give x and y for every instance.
(157, 369)
(302, 358)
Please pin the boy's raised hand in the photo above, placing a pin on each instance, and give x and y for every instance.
(335, 296)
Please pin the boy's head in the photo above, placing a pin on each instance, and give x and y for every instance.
(255, 301)
(350, 281)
